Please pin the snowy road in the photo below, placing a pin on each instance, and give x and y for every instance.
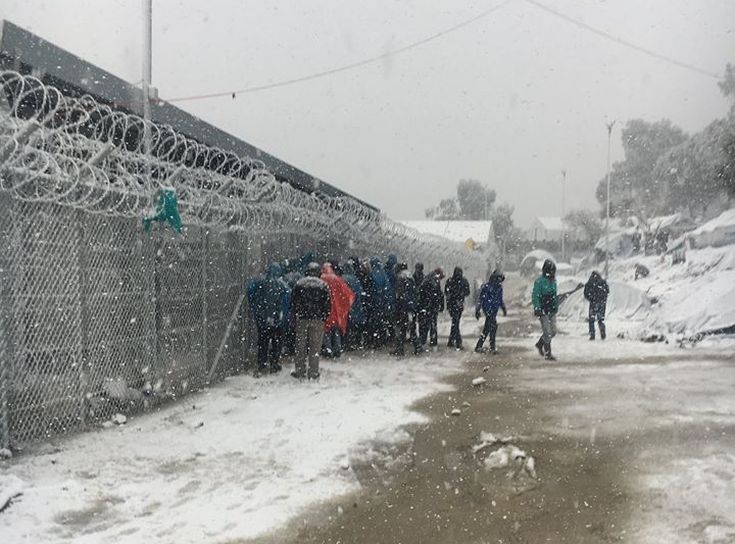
(636, 448)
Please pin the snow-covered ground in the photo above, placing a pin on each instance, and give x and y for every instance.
(675, 410)
(232, 462)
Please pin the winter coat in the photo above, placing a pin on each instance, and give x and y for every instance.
(405, 293)
(268, 298)
(357, 312)
(341, 299)
(390, 271)
(544, 297)
(457, 288)
(310, 299)
(491, 297)
(366, 281)
(431, 298)
(418, 275)
(382, 292)
(596, 289)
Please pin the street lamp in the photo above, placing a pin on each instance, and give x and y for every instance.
(563, 205)
(607, 213)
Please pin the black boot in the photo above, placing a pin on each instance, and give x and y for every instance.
(548, 356)
(592, 328)
(478, 346)
(603, 333)
(540, 347)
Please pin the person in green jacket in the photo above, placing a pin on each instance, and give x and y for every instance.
(545, 307)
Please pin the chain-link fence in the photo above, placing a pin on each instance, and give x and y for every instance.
(97, 315)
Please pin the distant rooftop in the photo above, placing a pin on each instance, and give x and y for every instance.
(24, 52)
(551, 223)
(456, 231)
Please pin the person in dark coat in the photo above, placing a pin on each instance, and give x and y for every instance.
(596, 291)
(431, 303)
(456, 289)
(356, 320)
(490, 301)
(418, 274)
(291, 274)
(268, 298)
(381, 304)
(311, 304)
(405, 309)
(390, 271)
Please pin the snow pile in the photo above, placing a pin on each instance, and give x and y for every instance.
(675, 301)
(505, 456)
(720, 231)
(625, 304)
(230, 463)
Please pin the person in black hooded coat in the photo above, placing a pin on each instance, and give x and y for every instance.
(596, 291)
(457, 289)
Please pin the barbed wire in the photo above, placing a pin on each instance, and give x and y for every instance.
(79, 153)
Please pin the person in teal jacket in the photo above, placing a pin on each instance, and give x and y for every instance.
(545, 307)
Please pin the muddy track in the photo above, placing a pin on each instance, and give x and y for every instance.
(438, 491)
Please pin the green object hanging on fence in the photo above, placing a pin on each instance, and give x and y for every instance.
(167, 209)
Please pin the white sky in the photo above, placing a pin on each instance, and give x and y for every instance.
(510, 99)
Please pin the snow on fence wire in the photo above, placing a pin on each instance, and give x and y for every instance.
(98, 316)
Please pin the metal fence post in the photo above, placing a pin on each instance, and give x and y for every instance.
(82, 239)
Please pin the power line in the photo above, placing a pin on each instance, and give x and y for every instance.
(624, 43)
(345, 67)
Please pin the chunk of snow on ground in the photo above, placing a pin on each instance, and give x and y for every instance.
(479, 381)
(120, 419)
(254, 465)
(456, 412)
(504, 457)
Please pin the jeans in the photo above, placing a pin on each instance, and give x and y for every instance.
(332, 344)
(455, 336)
(489, 330)
(405, 324)
(548, 328)
(309, 334)
(427, 327)
(597, 313)
(269, 347)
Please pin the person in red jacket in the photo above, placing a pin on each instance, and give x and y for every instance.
(342, 298)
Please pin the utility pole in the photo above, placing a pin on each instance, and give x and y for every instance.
(607, 212)
(563, 211)
(147, 57)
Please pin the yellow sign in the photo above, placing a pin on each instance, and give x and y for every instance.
(470, 244)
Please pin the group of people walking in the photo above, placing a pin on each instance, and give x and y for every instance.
(310, 310)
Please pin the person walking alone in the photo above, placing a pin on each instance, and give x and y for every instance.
(545, 307)
(596, 291)
(310, 303)
(490, 301)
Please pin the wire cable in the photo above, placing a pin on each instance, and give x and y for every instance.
(624, 43)
(345, 67)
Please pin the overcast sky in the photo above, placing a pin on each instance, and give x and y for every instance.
(510, 99)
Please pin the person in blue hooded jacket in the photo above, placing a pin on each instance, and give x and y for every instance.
(381, 306)
(391, 272)
(490, 301)
(356, 319)
(269, 298)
